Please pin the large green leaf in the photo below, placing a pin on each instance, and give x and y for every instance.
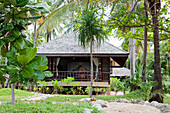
(1, 43)
(38, 75)
(48, 74)
(9, 39)
(39, 61)
(14, 78)
(28, 43)
(31, 53)
(23, 59)
(21, 3)
(2, 79)
(42, 68)
(27, 72)
(15, 33)
(19, 43)
(13, 69)
(2, 72)
(33, 17)
(12, 58)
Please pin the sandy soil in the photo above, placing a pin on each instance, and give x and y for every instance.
(115, 107)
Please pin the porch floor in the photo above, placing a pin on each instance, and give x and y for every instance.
(83, 83)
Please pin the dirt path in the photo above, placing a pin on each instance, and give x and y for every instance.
(115, 107)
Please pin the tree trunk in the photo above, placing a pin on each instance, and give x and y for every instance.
(48, 36)
(91, 70)
(34, 34)
(12, 94)
(157, 64)
(132, 50)
(145, 45)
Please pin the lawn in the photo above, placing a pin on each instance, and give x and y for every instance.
(5, 94)
(57, 104)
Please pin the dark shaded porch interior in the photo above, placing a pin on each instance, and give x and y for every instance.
(79, 68)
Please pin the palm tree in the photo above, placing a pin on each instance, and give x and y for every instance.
(90, 30)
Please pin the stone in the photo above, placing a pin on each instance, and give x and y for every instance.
(146, 103)
(101, 102)
(98, 106)
(141, 102)
(163, 107)
(122, 100)
(85, 100)
(68, 99)
(134, 101)
(154, 103)
(110, 101)
(115, 99)
(87, 110)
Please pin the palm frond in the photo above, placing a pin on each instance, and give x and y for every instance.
(56, 4)
(55, 18)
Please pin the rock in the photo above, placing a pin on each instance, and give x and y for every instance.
(122, 100)
(110, 101)
(146, 103)
(85, 100)
(154, 103)
(163, 107)
(87, 110)
(98, 106)
(67, 99)
(134, 101)
(115, 99)
(101, 102)
(141, 102)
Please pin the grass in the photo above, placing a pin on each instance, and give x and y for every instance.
(58, 103)
(167, 99)
(47, 107)
(50, 105)
(5, 94)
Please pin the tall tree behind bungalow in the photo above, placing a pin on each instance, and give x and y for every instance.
(90, 30)
(155, 6)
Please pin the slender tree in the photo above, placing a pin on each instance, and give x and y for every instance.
(90, 30)
(155, 6)
(145, 44)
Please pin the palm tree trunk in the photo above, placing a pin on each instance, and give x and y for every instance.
(12, 94)
(91, 70)
(145, 45)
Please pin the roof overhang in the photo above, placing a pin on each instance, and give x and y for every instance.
(114, 56)
(119, 58)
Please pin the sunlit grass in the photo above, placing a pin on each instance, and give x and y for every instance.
(58, 104)
(5, 94)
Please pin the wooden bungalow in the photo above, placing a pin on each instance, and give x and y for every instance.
(66, 58)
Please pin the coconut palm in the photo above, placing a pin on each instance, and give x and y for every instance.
(90, 30)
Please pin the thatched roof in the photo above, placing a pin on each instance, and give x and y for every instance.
(68, 45)
(120, 72)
